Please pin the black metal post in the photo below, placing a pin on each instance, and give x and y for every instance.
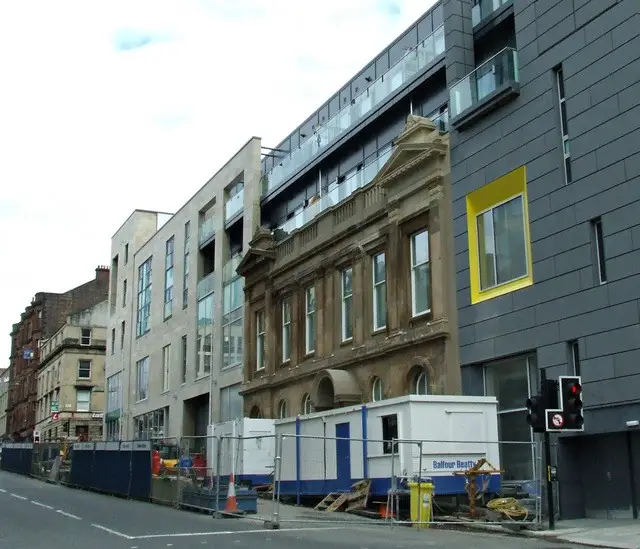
(632, 476)
(550, 504)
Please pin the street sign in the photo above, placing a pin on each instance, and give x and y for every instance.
(557, 420)
(54, 416)
(54, 406)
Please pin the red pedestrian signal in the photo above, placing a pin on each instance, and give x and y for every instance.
(570, 394)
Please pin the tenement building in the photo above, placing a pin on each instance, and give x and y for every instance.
(359, 304)
(175, 331)
(46, 313)
(545, 159)
(70, 401)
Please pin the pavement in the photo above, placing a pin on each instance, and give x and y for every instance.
(613, 534)
(37, 515)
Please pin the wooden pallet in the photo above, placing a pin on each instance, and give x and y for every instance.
(355, 499)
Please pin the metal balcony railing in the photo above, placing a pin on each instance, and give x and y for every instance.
(484, 8)
(483, 80)
(206, 230)
(343, 191)
(400, 74)
(234, 205)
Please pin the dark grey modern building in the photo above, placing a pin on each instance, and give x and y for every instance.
(542, 102)
(545, 153)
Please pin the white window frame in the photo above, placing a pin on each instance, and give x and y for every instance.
(142, 366)
(493, 232)
(85, 340)
(343, 309)
(377, 284)
(414, 266)
(85, 361)
(166, 368)
(286, 330)
(310, 338)
(88, 401)
(420, 378)
(283, 411)
(376, 386)
(260, 339)
(307, 407)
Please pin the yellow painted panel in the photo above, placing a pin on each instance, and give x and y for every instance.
(501, 190)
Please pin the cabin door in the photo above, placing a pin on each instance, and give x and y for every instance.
(343, 457)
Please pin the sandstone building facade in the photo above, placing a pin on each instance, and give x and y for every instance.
(358, 304)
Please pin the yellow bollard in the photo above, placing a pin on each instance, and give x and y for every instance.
(421, 503)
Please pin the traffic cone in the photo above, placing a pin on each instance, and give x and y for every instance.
(231, 505)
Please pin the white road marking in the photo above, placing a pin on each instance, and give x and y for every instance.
(3, 490)
(17, 496)
(41, 504)
(229, 533)
(114, 532)
(67, 514)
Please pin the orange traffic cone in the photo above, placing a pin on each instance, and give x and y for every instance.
(232, 505)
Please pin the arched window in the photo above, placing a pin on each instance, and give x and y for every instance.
(282, 409)
(420, 383)
(307, 407)
(255, 413)
(377, 394)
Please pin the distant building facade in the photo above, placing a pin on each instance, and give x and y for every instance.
(71, 389)
(4, 401)
(175, 335)
(40, 320)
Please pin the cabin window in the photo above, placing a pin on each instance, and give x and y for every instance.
(389, 433)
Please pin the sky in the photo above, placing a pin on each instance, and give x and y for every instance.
(108, 106)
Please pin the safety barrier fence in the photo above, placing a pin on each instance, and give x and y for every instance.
(417, 482)
(118, 468)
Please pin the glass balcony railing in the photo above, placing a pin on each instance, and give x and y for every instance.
(206, 230)
(484, 8)
(229, 268)
(398, 75)
(346, 188)
(484, 80)
(205, 286)
(234, 205)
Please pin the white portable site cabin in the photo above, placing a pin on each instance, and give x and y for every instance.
(247, 450)
(328, 451)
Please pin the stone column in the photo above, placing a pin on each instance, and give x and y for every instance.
(249, 339)
(394, 274)
(359, 316)
(270, 337)
(321, 319)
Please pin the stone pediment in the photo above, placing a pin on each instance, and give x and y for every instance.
(261, 248)
(419, 141)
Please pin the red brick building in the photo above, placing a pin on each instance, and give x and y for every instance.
(40, 320)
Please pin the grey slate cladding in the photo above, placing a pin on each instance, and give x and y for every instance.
(597, 43)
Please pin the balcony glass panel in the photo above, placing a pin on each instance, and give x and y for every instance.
(206, 230)
(205, 286)
(484, 80)
(234, 205)
(229, 268)
(484, 8)
(400, 74)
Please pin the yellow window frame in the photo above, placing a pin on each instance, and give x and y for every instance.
(501, 190)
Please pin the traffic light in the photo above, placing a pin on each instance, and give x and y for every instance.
(537, 406)
(571, 390)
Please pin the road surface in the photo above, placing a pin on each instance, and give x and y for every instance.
(37, 515)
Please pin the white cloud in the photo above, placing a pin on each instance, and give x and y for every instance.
(92, 126)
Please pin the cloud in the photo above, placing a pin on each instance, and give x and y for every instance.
(112, 105)
(393, 8)
(130, 39)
